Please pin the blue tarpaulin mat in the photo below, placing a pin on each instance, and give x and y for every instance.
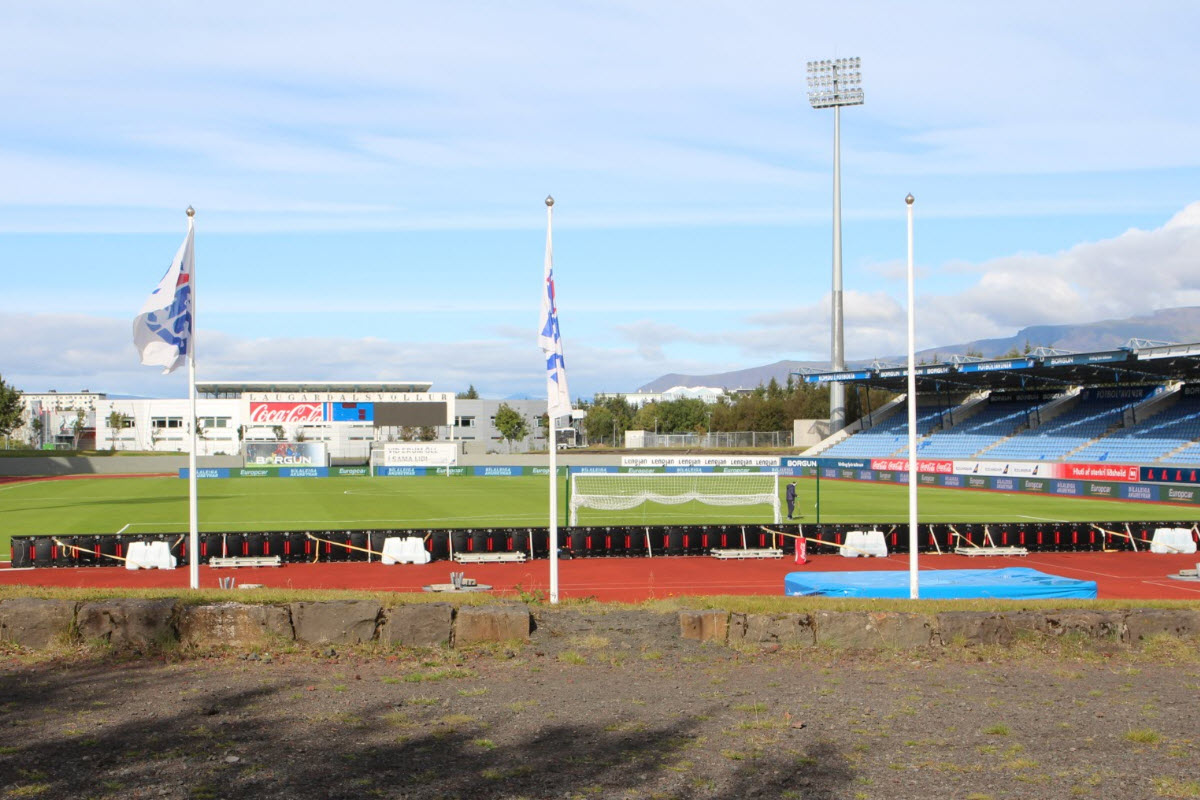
(1012, 583)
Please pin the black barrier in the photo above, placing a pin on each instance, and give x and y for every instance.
(297, 547)
(519, 540)
(256, 544)
(21, 552)
(358, 546)
(64, 551)
(589, 541)
(43, 551)
(108, 545)
(575, 541)
(437, 543)
(211, 546)
(275, 544)
(375, 540)
(179, 546)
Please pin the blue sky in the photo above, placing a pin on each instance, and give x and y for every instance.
(369, 182)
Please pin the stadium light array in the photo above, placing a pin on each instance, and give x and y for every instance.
(834, 83)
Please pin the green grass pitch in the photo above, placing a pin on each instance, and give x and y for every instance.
(151, 505)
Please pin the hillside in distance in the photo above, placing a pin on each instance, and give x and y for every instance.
(1167, 325)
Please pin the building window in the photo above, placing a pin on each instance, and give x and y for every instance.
(464, 422)
(166, 422)
(214, 422)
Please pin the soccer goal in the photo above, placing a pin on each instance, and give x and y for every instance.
(621, 491)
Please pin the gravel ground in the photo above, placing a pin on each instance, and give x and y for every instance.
(604, 705)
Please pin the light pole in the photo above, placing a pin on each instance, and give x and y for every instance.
(833, 84)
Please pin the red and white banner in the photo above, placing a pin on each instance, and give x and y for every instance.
(279, 413)
(1126, 473)
(923, 465)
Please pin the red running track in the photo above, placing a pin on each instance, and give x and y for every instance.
(1138, 576)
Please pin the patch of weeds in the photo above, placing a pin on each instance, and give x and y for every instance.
(1143, 736)
(28, 790)
(452, 722)
(204, 791)
(1173, 787)
(434, 675)
(652, 655)
(521, 705)
(504, 774)
(391, 679)
(590, 642)
(751, 708)
(339, 687)
(479, 691)
(486, 744)
(425, 701)
(531, 596)
(572, 657)
(997, 730)
(8, 751)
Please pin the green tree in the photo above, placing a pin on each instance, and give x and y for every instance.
(278, 432)
(469, 394)
(11, 408)
(427, 433)
(600, 424)
(511, 424)
(78, 425)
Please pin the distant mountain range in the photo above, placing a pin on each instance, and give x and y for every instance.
(1167, 324)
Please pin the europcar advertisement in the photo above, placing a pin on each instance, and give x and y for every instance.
(285, 454)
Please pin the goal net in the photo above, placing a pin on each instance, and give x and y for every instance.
(626, 490)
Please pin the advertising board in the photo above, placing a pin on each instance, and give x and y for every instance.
(1100, 472)
(704, 461)
(280, 413)
(419, 454)
(284, 454)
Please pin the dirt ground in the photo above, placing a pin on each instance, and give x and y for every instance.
(605, 705)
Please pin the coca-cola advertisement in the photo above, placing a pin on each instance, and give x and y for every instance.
(285, 454)
(282, 413)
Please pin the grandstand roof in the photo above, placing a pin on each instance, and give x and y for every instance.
(236, 388)
(1153, 364)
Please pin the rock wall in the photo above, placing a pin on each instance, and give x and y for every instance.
(900, 630)
(149, 624)
(136, 624)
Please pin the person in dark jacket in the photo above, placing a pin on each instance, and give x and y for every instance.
(790, 495)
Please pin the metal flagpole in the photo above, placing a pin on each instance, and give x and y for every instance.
(193, 512)
(553, 439)
(913, 476)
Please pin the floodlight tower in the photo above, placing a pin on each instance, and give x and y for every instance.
(833, 84)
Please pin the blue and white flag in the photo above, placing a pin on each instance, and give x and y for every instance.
(162, 332)
(557, 396)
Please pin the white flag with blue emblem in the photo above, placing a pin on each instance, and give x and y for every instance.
(558, 398)
(162, 332)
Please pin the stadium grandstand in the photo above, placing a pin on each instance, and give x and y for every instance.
(1139, 404)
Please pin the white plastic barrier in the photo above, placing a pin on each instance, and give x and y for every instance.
(149, 555)
(1172, 540)
(410, 550)
(864, 543)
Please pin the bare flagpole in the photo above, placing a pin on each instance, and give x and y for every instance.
(913, 476)
(193, 510)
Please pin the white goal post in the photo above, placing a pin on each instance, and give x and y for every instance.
(620, 491)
